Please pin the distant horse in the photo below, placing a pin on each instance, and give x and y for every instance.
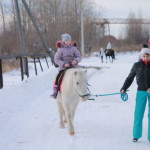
(73, 89)
(110, 53)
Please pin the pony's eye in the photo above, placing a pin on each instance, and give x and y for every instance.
(77, 83)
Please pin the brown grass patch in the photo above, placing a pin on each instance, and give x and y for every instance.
(9, 65)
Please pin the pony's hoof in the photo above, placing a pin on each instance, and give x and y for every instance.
(71, 133)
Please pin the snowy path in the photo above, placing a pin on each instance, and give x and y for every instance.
(29, 118)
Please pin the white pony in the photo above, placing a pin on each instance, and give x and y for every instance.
(74, 88)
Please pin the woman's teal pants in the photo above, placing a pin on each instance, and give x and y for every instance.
(141, 100)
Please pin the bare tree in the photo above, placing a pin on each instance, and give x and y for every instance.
(2, 14)
(134, 30)
(55, 17)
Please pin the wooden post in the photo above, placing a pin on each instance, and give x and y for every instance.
(82, 30)
(1, 75)
(27, 68)
(21, 66)
(35, 66)
(46, 62)
(40, 63)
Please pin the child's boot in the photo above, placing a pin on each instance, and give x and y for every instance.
(55, 91)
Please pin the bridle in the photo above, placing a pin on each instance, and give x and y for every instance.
(84, 95)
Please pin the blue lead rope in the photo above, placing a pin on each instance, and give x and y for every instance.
(123, 96)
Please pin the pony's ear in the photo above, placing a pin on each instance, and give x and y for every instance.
(75, 72)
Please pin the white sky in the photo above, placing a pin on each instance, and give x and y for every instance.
(121, 9)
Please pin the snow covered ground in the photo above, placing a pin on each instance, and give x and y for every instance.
(29, 117)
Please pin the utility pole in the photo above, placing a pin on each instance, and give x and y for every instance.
(82, 30)
(21, 40)
(20, 29)
(109, 32)
(3, 16)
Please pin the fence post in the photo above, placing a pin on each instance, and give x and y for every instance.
(46, 62)
(40, 63)
(21, 65)
(1, 75)
(35, 65)
(26, 67)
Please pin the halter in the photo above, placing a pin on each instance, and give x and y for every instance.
(84, 95)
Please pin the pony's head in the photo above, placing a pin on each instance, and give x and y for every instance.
(80, 84)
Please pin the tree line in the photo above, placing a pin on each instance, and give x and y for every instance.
(55, 17)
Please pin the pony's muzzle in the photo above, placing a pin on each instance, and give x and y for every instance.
(85, 97)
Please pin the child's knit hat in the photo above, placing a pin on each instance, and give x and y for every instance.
(65, 37)
(145, 51)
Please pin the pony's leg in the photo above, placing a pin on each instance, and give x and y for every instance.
(101, 59)
(73, 110)
(65, 118)
(114, 56)
(69, 118)
(61, 114)
(109, 59)
(64, 115)
(73, 113)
